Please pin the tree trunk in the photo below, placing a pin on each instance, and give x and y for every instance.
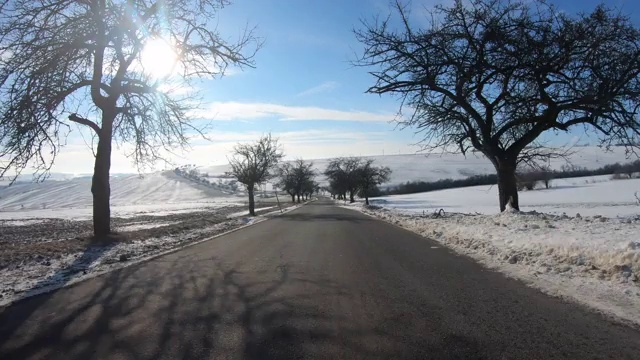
(100, 187)
(252, 204)
(293, 198)
(507, 184)
(352, 197)
(298, 198)
(366, 200)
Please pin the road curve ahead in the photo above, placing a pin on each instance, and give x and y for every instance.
(318, 282)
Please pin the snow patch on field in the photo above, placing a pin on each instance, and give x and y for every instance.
(14, 222)
(142, 225)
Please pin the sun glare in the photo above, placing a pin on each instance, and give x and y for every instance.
(158, 58)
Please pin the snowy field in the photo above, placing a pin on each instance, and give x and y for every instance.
(579, 240)
(595, 195)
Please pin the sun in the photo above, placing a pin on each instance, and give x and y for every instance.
(158, 58)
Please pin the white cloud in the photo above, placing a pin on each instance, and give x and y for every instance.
(226, 111)
(325, 86)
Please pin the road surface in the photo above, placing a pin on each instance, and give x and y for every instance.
(318, 282)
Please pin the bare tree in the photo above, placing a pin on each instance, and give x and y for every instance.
(370, 177)
(255, 163)
(297, 178)
(493, 75)
(70, 61)
(343, 176)
(309, 187)
(288, 180)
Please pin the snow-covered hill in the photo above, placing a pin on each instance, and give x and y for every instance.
(157, 193)
(436, 166)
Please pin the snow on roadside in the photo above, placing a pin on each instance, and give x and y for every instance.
(245, 212)
(143, 225)
(13, 222)
(35, 277)
(591, 260)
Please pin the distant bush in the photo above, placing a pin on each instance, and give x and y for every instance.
(617, 176)
(411, 187)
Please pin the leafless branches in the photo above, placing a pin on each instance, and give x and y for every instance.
(67, 61)
(493, 75)
(255, 163)
(355, 175)
(297, 179)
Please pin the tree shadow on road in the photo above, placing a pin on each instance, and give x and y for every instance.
(171, 308)
(94, 250)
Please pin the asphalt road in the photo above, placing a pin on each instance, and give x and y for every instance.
(319, 282)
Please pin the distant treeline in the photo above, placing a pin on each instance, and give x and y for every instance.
(542, 174)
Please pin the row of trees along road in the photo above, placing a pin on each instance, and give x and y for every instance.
(70, 61)
(356, 176)
(494, 75)
(258, 162)
(297, 179)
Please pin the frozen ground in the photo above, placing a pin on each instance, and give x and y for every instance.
(592, 258)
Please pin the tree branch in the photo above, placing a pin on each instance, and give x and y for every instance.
(80, 120)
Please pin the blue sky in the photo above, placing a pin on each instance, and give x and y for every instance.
(303, 88)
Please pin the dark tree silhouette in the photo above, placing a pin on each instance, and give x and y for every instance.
(297, 178)
(369, 177)
(255, 163)
(70, 61)
(343, 176)
(493, 75)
